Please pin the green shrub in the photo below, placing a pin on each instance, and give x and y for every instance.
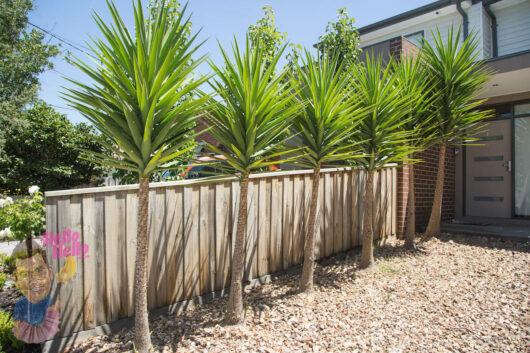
(3, 279)
(9, 342)
(7, 263)
(24, 217)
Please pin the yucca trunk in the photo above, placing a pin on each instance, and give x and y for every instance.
(433, 228)
(141, 318)
(410, 231)
(306, 282)
(235, 301)
(367, 252)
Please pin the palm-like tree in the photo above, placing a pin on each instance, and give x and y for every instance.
(136, 103)
(251, 121)
(455, 77)
(419, 101)
(322, 128)
(382, 138)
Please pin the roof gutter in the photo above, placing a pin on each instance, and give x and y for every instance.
(405, 16)
(486, 4)
(464, 17)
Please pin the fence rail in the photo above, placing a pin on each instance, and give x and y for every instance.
(190, 228)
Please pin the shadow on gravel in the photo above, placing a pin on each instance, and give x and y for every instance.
(486, 242)
(334, 269)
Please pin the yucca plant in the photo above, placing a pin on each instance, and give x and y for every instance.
(456, 77)
(321, 128)
(419, 107)
(136, 103)
(381, 133)
(251, 121)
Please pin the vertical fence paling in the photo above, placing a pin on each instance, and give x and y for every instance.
(190, 230)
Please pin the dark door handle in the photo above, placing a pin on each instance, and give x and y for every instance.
(508, 165)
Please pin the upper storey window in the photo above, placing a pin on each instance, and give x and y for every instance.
(415, 38)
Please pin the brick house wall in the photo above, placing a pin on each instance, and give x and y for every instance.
(424, 185)
(202, 125)
(401, 46)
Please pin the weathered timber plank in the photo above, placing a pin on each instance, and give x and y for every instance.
(288, 212)
(222, 234)
(276, 224)
(264, 211)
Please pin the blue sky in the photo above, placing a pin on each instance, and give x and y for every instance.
(303, 20)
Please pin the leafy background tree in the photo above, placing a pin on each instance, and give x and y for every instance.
(272, 40)
(23, 56)
(266, 32)
(44, 151)
(342, 39)
(37, 144)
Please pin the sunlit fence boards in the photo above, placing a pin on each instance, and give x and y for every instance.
(190, 228)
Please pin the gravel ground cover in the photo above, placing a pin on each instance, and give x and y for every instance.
(454, 294)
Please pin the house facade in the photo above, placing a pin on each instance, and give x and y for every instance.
(491, 179)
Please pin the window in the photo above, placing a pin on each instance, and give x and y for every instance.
(415, 38)
(522, 164)
(521, 109)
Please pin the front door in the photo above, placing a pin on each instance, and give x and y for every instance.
(488, 172)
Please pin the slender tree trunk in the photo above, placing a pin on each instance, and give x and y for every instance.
(306, 282)
(410, 232)
(141, 317)
(235, 301)
(367, 252)
(433, 228)
(29, 246)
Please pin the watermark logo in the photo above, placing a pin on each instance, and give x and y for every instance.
(65, 245)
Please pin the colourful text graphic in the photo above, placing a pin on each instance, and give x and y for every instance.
(65, 245)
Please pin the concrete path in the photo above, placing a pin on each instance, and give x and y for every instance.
(513, 229)
(7, 247)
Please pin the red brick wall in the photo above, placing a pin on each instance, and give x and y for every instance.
(202, 124)
(400, 46)
(424, 185)
(408, 48)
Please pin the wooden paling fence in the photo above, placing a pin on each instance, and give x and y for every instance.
(190, 242)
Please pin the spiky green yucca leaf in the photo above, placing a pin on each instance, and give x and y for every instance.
(330, 112)
(456, 77)
(140, 99)
(253, 116)
(381, 131)
(419, 101)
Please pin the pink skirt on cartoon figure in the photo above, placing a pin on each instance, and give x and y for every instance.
(39, 333)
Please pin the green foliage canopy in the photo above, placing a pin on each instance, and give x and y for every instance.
(381, 134)
(266, 32)
(419, 101)
(138, 101)
(23, 56)
(342, 39)
(456, 77)
(44, 151)
(24, 217)
(254, 113)
(329, 112)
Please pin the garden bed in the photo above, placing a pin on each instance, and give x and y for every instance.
(454, 294)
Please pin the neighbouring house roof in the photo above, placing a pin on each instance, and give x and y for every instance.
(405, 16)
(411, 14)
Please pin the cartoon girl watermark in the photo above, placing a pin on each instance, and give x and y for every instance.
(37, 317)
